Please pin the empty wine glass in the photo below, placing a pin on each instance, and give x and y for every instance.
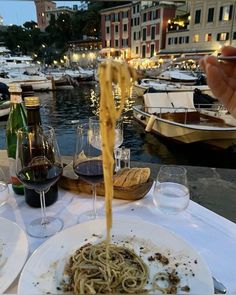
(38, 167)
(171, 192)
(4, 191)
(94, 124)
(96, 139)
(87, 164)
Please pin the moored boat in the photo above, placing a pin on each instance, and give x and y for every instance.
(4, 109)
(176, 118)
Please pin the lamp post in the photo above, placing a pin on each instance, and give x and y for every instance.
(232, 23)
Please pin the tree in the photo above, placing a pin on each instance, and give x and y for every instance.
(30, 25)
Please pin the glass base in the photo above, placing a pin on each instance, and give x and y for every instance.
(89, 215)
(38, 230)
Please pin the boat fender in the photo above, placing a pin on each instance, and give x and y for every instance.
(141, 117)
(150, 123)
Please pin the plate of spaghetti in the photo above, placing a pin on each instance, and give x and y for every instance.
(107, 256)
(140, 257)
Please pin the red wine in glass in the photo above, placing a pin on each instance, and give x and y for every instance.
(90, 171)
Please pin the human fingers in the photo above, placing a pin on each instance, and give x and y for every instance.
(228, 50)
(206, 60)
(219, 84)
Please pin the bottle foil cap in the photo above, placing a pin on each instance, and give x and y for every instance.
(32, 101)
(15, 88)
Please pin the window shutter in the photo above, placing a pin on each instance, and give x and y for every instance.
(221, 13)
(230, 11)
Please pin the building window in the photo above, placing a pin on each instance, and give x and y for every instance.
(234, 35)
(144, 17)
(210, 16)
(154, 14)
(176, 40)
(222, 36)
(208, 37)
(116, 43)
(108, 30)
(153, 32)
(152, 50)
(226, 12)
(158, 14)
(197, 16)
(124, 42)
(169, 41)
(187, 39)
(196, 38)
(124, 14)
(144, 34)
(138, 8)
(107, 17)
(137, 50)
(108, 43)
(137, 21)
(134, 9)
(125, 28)
(116, 29)
(143, 51)
(149, 15)
(134, 36)
(116, 17)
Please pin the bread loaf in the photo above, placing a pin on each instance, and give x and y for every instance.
(130, 177)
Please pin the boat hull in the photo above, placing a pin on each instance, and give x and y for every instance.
(184, 133)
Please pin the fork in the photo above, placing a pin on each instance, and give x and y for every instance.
(226, 58)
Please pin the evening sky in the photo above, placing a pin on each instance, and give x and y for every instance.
(18, 12)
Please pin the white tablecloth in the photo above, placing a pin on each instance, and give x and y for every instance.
(213, 236)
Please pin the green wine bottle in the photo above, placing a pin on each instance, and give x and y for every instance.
(16, 120)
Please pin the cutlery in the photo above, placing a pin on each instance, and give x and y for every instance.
(219, 288)
(226, 58)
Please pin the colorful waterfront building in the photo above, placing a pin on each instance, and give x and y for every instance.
(46, 9)
(116, 31)
(137, 29)
(43, 6)
(204, 29)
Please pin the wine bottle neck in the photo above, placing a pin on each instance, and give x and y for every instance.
(33, 116)
(16, 98)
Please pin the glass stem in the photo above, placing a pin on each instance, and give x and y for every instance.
(94, 201)
(44, 220)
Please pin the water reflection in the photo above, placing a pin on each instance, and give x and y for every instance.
(60, 108)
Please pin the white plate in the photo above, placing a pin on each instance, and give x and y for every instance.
(13, 252)
(43, 271)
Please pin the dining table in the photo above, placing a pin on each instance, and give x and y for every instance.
(208, 223)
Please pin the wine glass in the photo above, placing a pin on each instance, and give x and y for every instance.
(87, 164)
(171, 192)
(96, 138)
(38, 167)
(4, 191)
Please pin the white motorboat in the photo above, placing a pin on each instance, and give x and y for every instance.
(178, 76)
(20, 63)
(174, 116)
(139, 88)
(38, 82)
(4, 109)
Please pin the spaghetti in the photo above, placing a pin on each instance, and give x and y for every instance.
(119, 73)
(90, 272)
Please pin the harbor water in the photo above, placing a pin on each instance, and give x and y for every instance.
(64, 108)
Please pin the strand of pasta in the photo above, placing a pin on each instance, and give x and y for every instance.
(119, 73)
